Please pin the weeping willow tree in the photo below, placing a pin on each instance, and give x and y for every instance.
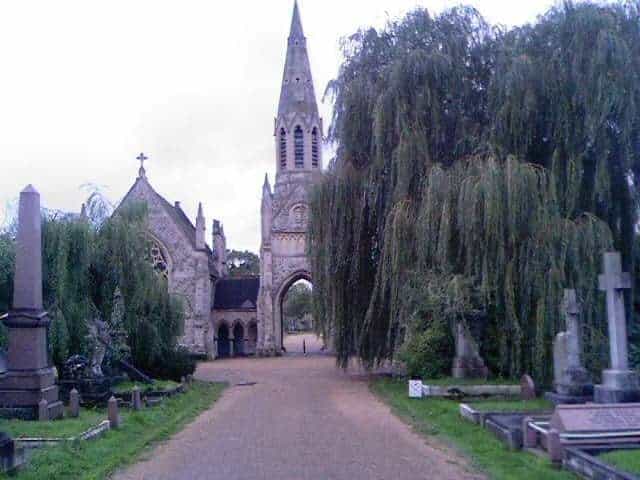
(86, 260)
(478, 170)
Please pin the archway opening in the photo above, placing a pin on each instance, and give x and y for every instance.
(296, 322)
(224, 346)
(238, 340)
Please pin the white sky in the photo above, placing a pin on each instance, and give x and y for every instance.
(86, 85)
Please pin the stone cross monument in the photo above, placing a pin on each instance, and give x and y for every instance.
(30, 377)
(619, 384)
(571, 380)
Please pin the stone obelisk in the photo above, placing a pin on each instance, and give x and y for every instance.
(30, 376)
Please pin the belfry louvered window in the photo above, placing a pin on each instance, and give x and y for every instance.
(283, 149)
(315, 148)
(298, 137)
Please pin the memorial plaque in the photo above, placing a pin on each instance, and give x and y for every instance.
(415, 388)
(596, 418)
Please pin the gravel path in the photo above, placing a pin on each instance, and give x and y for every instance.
(302, 420)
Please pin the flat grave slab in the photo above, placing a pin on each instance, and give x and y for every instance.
(585, 463)
(597, 421)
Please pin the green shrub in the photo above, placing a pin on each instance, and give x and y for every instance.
(176, 364)
(428, 353)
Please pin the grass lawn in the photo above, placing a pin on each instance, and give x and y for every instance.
(157, 385)
(515, 405)
(69, 427)
(443, 382)
(626, 460)
(439, 418)
(99, 458)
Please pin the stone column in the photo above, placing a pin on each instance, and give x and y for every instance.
(619, 384)
(30, 376)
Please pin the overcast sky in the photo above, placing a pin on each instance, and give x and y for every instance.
(87, 85)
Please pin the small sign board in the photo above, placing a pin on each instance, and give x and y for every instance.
(415, 388)
(597, 418)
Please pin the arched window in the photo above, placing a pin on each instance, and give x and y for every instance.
(157, 260)
(298, 137)
(283, 149)
(315, 148)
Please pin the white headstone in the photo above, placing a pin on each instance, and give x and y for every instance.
(415, 388)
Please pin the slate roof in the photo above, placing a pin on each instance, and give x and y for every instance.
(239, 293)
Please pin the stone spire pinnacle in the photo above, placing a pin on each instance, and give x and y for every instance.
(200, 228)
(266, 186)
(297, 94)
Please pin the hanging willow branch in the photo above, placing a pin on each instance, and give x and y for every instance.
(505, 161)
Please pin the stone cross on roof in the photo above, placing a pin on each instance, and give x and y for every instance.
(613, 281)
(141, 158)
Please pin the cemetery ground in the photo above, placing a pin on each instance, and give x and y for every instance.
(97, 459)
(297, 417)
(439, 420)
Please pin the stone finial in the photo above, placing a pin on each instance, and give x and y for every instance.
(27, 282)
(83, 212)
(200, 228)
(74, 403)
(136, 400)
(43, 411)
(112, 412)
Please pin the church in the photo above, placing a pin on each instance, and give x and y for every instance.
(234, 316)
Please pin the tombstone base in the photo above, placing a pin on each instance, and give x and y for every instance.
(561, 399)
(469, 367)
(618, 386)
(55, 409)
(22, 390)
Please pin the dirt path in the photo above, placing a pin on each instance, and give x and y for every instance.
(302, 420)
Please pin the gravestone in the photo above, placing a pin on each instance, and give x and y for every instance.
(30, 377)
(467, 363)
(136, 399)
(571, 380)
(112, 413)
(74, 403)
(592, 425)
(527, 388)
(619, 383)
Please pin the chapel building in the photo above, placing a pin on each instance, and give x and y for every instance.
(234, 316)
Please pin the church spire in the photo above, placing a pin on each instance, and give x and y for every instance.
(297, 94)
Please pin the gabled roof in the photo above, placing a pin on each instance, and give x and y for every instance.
(175, 213)
(237, 293)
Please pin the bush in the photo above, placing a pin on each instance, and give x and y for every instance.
(177, 363)
(428, 353)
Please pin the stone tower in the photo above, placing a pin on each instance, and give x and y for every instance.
(284, 211)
